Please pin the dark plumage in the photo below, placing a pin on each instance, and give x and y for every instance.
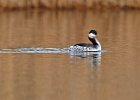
(95, 46)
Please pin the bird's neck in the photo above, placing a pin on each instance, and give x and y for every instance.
(94, 41)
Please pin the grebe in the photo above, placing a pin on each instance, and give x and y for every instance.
(94, 47)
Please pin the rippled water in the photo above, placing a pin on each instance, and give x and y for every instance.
(111, 75)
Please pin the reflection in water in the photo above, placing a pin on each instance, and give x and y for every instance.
(59, 77)
(94, 58)
(85, 54)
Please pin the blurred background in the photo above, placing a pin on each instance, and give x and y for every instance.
(111, 75)
(68, 4)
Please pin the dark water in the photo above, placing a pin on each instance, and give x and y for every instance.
(110, 76)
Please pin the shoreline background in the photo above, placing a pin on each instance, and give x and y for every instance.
(69, 4)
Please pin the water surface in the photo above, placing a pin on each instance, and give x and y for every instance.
(110, 76)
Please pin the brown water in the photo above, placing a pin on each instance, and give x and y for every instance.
(113, 76)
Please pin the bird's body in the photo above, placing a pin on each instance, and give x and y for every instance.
(94, 47)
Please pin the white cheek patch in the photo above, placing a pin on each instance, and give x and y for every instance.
(91, 35)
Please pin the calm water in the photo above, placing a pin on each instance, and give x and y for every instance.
(111, 76)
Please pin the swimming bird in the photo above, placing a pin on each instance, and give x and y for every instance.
(86, 47)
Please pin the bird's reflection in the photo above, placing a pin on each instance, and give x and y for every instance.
(93, 58)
